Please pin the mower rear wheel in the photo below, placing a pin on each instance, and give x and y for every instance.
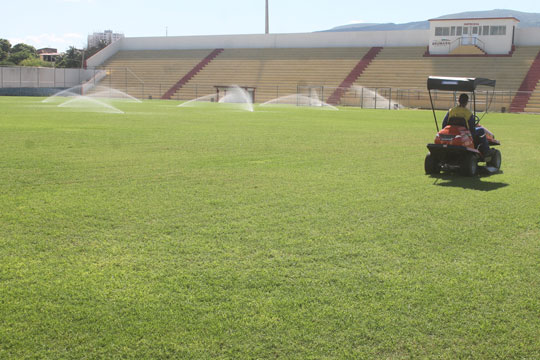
(430, 165)
(495, 159)
(469, 165)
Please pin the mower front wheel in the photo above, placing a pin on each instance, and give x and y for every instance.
(430, 165)
(469, 165)
(495, 159)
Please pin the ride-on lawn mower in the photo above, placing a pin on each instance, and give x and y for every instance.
(453, 148)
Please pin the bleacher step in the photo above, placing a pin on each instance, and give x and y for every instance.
(520, 101)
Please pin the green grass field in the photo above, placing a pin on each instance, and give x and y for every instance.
(290, 233)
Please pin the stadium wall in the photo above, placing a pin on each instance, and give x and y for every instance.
(301, 40)
(527, 37)
(523, 37)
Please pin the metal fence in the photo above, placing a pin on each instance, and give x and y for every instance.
(395, 98)
(363, 97)
(50, 80)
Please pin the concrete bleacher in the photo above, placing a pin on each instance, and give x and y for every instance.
(527, 96)
(400, 72)
(149, 73)
(408, 68)
(534, 101)
(274, 72)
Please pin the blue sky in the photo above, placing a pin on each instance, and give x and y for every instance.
(64, 23)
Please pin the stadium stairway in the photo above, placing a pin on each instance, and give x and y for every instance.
(191, 74)
(335, 98)
(468, 50)
(520, 101)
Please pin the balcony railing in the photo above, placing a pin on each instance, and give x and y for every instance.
(467, 40)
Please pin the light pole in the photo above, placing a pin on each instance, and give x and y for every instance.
(267, 27)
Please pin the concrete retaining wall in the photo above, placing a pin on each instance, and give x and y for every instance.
(302, 40)
(527, 37)
(36, 77)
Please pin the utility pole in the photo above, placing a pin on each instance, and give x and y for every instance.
(267, 27)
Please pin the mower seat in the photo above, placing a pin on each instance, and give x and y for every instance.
(457, 121)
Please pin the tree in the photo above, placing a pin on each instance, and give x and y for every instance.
(71, 59)
(35, 62)
(24, 47)
(21, 52)
(20, 56)
(5, 47)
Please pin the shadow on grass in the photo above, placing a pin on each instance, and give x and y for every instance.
(473, 183)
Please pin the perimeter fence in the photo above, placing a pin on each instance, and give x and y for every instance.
(362, 97)
(32, 81)
(41, 81)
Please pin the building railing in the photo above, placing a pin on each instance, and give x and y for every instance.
(466, 40)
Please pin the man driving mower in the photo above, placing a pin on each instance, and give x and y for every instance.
(460, 115)
(462, 143)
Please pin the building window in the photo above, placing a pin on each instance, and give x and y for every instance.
(497, 30)
(453, 31)
(485, 30)
(465, 30)
(442, 31)
(458, 31)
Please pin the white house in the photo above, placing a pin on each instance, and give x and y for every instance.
(491, 36)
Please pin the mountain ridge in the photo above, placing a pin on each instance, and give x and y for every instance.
(526, 20)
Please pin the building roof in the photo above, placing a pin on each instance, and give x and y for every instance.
(47, 51)
(490, 18)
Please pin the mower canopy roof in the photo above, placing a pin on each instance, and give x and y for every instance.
(457, 83)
